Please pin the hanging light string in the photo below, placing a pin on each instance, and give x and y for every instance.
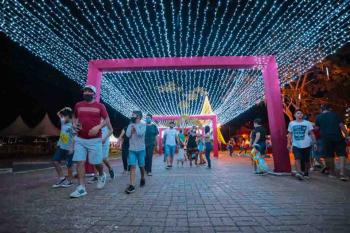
(67, 34)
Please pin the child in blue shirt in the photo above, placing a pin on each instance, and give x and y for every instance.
(64, 148)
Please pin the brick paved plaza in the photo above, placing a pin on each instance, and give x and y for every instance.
(228, 198)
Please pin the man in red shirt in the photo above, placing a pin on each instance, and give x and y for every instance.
(87, 121)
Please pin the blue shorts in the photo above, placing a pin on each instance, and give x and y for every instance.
(137, 157)
(84, 147)
(170, 150)
(105, 149)
(61, 154)
(201, 147)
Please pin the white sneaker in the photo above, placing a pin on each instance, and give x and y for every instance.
(79, 192)
(101, 181)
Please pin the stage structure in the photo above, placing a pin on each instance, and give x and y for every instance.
(267, 64)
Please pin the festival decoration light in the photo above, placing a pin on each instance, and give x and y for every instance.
(67, 34)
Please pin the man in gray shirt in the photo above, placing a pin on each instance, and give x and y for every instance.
(150, 140)
(137, 149)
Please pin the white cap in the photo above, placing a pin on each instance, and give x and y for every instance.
(91, 87)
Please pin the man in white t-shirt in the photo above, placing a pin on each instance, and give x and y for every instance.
(300, 140)
(170, 140)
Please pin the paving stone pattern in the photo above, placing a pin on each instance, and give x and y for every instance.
(227, 198)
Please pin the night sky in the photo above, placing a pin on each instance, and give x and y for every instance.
(31, 87)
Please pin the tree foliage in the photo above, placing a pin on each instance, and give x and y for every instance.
(326, 82)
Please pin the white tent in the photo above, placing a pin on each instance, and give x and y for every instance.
(45, 128)
(16, 128)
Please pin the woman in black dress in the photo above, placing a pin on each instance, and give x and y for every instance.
(192, 150)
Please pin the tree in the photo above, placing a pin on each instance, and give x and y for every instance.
(326, 82)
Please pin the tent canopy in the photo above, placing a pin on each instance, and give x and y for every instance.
(16, 128)
(45, 128)
(19, 128)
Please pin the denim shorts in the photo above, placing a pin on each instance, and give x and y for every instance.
(170, 150)
(105, 149)
(201, 147)
(137, 157)
(61, 154)
(84, 147)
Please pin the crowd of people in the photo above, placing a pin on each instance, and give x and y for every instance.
(197, 146)
(313, 145)
(326, 138)
(241, 143)
(86, 129)
(85, 133)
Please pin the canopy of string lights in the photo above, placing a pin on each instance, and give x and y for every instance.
(67, 34)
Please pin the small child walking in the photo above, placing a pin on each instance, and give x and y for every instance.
(64, 148)
(181, 155)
